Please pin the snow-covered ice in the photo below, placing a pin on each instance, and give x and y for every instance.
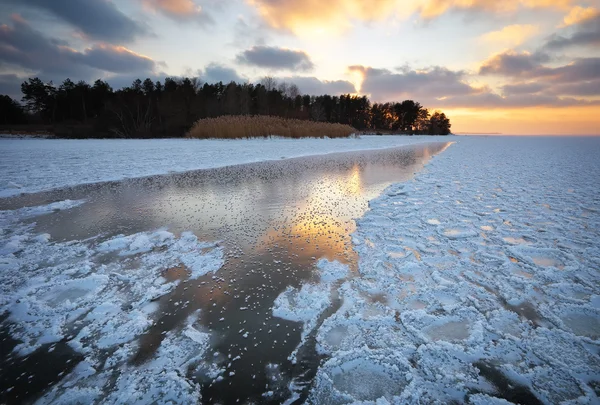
(98, 297)
(478, 280)
(32, 165)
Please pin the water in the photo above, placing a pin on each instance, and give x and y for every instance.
(274, 221)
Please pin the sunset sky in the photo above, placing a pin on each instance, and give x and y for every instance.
(509, 66)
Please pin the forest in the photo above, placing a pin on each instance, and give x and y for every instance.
(149, 109)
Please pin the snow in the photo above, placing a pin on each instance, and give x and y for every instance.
(489, 256)
(98, 296)
(478, 277)
(60, 163)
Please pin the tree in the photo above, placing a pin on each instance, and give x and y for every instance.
(406, 113)
(148, 87)
(269, 82)
(11, 112)
(423, 122)
(36, 96)
(440, 124)
(170, 107)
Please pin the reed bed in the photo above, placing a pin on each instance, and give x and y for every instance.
(262, 126)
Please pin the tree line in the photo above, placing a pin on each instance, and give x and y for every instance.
(149, 109)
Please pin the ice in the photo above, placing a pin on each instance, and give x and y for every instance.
(361, 376)
(583, 324)
(303, 305)
(477, 281)
(60, 162)
(331, 270)
(28, 212)
(90, 295)
(495, 265)
(448, 331)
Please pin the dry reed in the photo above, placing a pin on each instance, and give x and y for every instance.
(246, 126)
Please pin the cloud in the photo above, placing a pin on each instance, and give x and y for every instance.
(580, 69)
(317, 16)
(522, 88)
(26, 48)
(180, 10)
(435, 82)
(511, 35)
(98, 19)
(276, 58)
(492, 100)
(579, 14)
(214, 73)
(512, 63)
(584, 33)
(315, 87)
(580, 78)
(116, 59)
(430, 9)
(439, 87)
(581, 89)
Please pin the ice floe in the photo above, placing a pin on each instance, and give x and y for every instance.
(475, 285)
(98, 296)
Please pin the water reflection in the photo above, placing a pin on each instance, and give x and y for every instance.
(274, 220)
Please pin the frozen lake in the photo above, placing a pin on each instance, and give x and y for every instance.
(273, 222)
(432, 273)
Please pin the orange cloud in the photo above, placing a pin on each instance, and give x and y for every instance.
(511, 35)
(318, 17)
(174, 7)
(578, 15)
(180, 10)
(335, 16)
(434, 8)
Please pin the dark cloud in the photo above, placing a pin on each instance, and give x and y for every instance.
(214, 73)
(276, 58)
(436, 82)
(522, 88)
(582, 89)
(492, 100)
(511, 63)
(550, 86)
(98, 19)
(580, 69)
(315, 87)
(586, 33)
(115, 59)
(23, 47)
(443, 88)
(530, 66)
(579, 78)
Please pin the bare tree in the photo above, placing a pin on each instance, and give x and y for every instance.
(269, 82)
(283, 88)
(293, 91)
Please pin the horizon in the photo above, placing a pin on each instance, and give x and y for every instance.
(522, 67)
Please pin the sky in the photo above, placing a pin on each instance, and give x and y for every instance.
(506, 66)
